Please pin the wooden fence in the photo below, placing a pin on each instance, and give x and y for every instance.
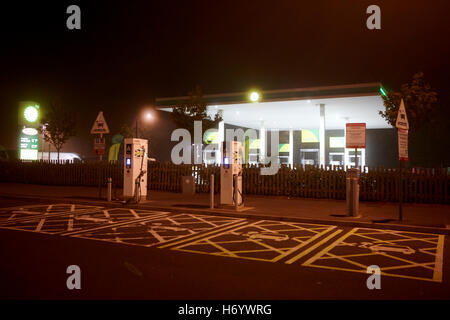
(376, 184)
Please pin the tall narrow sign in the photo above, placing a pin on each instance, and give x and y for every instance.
(402, 131)
(100, 127)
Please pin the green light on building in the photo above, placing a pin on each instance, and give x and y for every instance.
(31, 113)
(383, 92)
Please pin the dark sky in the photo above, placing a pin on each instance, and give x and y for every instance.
(128, 52)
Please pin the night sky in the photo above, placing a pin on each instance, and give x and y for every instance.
(129, 52)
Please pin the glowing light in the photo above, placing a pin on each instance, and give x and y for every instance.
(30, 131)
(148, 115)
(31, 114)
(383, 92)
(254, 96)
(28, 154)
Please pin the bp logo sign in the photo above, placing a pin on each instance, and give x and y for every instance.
(28, 133)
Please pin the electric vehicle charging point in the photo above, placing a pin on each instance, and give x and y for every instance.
(231, 176)
(135, 169)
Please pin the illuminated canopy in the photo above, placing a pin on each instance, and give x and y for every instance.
(298, 108)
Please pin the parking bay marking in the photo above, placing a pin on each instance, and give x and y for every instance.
(376, 251)
(195, 237)
(158, 215)
(266, 242)
(157, 230)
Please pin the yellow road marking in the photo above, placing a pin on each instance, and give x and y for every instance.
(348, 261)
(156, 235)
(437, 274)
(303, 253)
(405, 260)
(365, 271)
(301, 245)
(410, 266)
(40, 224)
(228, 226)
(396, 233)
(221, 249)
(106, 213)
(331, 246)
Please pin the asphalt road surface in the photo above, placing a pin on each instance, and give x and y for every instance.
(128, 253)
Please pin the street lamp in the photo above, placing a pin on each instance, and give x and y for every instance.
(254, 96)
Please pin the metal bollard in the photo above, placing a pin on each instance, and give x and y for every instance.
(211, 192)
(355, 197)
(348, 195)
(109, 189)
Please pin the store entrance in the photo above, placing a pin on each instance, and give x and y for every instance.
(309, 156)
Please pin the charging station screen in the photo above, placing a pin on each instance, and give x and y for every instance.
(226, 162)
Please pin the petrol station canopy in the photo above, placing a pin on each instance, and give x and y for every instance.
(297, 108)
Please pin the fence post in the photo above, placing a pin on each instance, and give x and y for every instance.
(211, 192)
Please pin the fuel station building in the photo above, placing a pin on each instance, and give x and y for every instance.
(311, 123)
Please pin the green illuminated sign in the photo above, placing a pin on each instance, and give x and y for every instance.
(29, 144)
(337, 142)
(310, 135)
(283, 147)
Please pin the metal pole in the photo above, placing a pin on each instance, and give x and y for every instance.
(400, 192)
(101, 137)
(235, 190)
(211, 192)
(109, 189)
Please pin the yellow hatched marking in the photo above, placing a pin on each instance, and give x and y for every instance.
(405, 260)
(438, 263)
(396, 233)
(365, 271)
(313, 247)
(230, 225)
(134, 214)
(328, 248)
(348, 261)
(282, 252)
(156, 235)
(221, 254)
(70, 224)
(410, 266)
(222, 249)
(304, 243)
(40, 224)
(347, 256)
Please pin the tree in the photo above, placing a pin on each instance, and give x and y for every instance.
(420, 102)
(185, 112)
(126, 131)
(194, 109)
(59, 126)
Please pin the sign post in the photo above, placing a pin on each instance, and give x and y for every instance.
(100, 127)
(402, 131)
(355, 137)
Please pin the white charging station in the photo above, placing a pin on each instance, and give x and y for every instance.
(231, 174)
(135, 168)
